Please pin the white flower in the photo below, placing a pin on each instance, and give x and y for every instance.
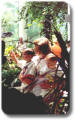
(65, 94)
(65, 104)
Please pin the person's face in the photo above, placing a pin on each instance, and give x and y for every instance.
(27, 57)
(51, 62)
(36, 49)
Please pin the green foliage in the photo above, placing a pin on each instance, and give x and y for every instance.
(36, 11)
(9, 73)
(34, 30)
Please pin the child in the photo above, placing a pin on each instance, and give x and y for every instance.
(51, 61)
(27, 55)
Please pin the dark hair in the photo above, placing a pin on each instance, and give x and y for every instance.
(28, 52)
(43, 45)
(44, 48)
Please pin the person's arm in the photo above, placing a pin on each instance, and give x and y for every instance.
(13, 56)
(21, 63)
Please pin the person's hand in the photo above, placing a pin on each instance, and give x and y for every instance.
(13, 56)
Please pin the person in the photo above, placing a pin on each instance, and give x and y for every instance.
(51, 61)
(41, 50)
(27, 55)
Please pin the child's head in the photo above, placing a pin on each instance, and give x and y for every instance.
(51, 60)
(42, 47)
(27, 54)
